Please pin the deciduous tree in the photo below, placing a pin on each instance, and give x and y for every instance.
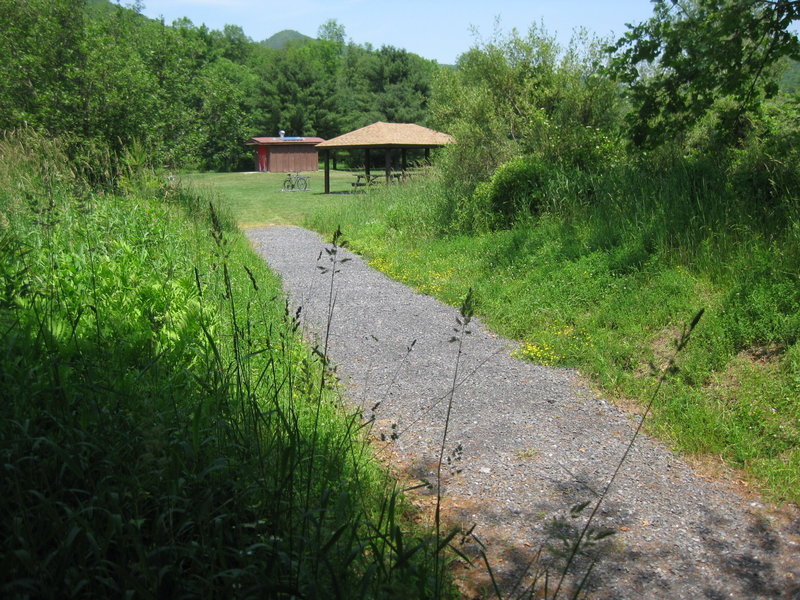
(691, 53)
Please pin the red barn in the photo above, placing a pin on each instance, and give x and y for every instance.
(285, 154)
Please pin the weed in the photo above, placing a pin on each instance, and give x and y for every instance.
(460, 331)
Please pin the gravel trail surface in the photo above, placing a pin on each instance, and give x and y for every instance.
(527, 442)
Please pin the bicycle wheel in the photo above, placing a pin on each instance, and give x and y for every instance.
(302, 183)
(288, 184)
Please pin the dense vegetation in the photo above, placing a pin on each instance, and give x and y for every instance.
(164, 430)
(187, 95)
(593, 243)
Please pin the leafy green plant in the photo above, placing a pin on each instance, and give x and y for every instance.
(165, 429)
(600, 274)
(516, 189)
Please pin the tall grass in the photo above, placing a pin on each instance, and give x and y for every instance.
(601, 272)
(165, 430)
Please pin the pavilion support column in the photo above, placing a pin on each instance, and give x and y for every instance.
(366, 162)
(327, 155)
(427, 155)
(403, 159)
(388, 164)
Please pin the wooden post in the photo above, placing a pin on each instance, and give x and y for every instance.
(366, 162)
(388, 165)
(403, 159)
(327, 155)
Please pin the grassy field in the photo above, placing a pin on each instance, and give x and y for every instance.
(256, 199)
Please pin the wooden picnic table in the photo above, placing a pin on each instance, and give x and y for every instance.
(367, 179)
(363, 180)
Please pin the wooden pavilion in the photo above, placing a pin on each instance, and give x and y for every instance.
(386, 137)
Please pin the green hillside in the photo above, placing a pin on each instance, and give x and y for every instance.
(280, 40)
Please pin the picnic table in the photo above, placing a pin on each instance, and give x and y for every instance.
(362, 180)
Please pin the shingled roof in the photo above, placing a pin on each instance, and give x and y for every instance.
(389, 135)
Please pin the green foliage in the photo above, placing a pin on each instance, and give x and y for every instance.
(516, 189)
(766, 167)
(689, 54)
(522, 95)
(763, 305)
(164, 430)
(190, 96)
(603, 272)
(790, 76)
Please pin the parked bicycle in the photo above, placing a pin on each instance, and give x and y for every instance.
(295, 182)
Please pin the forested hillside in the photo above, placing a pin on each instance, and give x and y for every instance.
(186, 95)
(280, 40)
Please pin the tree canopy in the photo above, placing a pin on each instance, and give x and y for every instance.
(691, 53)
(189, 95)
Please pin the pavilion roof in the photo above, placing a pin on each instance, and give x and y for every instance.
(389, 135)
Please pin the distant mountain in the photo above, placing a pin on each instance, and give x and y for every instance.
(283, 38)
(790, 80)
(102, 6)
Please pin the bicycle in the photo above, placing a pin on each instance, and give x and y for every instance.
(295, 182)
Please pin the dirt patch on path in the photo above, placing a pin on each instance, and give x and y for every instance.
(527, 442)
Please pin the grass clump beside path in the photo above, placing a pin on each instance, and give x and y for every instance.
(603, 283)
(165, 432)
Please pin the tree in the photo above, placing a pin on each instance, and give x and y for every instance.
(225, 124)
(522, 94)
(692, 53)
(332, 31)
(107, 76)
(43, 50)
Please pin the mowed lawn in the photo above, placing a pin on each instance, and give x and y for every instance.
(257, 199)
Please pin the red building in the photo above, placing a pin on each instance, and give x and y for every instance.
(285, 154)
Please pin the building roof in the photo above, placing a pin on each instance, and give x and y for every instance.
(389, 135)
(283, 141)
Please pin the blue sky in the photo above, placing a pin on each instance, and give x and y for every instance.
(437, 29)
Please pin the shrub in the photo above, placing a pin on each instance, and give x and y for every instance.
(767, 166)
(517, 188)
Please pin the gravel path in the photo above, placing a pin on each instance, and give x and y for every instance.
(527, 442)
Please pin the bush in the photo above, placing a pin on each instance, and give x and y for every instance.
(766, 168)
(163, 429)
(517, 188)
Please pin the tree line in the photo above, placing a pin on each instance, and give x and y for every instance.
(699, 77)
(701, 85)
(187, 95)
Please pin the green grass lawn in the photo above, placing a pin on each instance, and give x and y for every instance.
(256, 199)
